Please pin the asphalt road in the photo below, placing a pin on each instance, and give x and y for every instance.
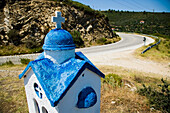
(128, 42)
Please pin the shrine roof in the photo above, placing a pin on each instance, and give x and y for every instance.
(58, 39)
(56, 79)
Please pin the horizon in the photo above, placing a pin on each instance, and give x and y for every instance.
(129, 5)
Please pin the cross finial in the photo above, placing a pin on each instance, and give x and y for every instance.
(58, 19)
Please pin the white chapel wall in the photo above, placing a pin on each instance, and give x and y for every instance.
(29, 81)
(69, 101)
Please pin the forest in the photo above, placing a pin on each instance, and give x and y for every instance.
(140, 22)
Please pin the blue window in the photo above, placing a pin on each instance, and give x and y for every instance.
(87, 98)
(38, 90)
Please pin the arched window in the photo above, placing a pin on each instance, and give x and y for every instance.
(37, 110)
(44, 110)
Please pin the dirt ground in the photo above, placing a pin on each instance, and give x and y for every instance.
(113, 100)
(128, 60)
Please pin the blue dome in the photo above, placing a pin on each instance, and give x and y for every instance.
(58, 39)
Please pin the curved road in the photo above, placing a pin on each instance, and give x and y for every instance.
(129, 41)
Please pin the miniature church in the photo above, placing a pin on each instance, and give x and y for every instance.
(61, 80)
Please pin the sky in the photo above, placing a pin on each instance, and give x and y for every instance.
(129, 5)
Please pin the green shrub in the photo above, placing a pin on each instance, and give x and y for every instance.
(36, 50)
(108, 42)
(113, 80)
(14, 37)
(101, 41)
(82, 7)
(77, 39)
(9, 63)
(158, 99)
(25, 60)
(30, 44)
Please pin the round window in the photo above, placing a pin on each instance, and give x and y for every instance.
(87, 98)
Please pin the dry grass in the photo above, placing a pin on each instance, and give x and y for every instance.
(122, 99)
(113, 99)
(134, 76)
(159, 53)
(12, 92)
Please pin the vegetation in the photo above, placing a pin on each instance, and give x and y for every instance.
(80, 6)
(77, 39)
(158, 99)
(14, 37)
(125, 21)
(17, 50)
(160, 52)
(114, 96)
(102, 41)
(25, 60)
(31, 43)
(113, 80)
(9, 63)
(12, 92)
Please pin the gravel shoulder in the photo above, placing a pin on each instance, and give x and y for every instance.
(128, 60)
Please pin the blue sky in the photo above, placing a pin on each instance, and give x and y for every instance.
(129, 5)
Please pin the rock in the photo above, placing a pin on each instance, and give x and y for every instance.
(90, 27)
(82, 31)
(5, 42)
(21, 32)
(37, 34)
(42, 37)
(113, 102)
(1, 29)
(33, 19)
(1, 37)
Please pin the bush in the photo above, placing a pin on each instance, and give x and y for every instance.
(77, 39)
(82, 7)
(30, 44)
(113, 80)
(101, 41)
(108, 42)
(159, 100)
(14, 37)
(9, 63)
(25, 61)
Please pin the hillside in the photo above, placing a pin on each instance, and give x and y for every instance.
(24, 23)
(140, 22)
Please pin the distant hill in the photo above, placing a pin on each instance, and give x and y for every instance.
(140, 22)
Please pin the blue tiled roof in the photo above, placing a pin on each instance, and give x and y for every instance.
(55, 79)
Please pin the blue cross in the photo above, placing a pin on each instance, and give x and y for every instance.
(58, 19)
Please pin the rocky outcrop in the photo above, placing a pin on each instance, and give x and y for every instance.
(31, 20)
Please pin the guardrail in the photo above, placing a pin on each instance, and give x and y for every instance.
(151, 45)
